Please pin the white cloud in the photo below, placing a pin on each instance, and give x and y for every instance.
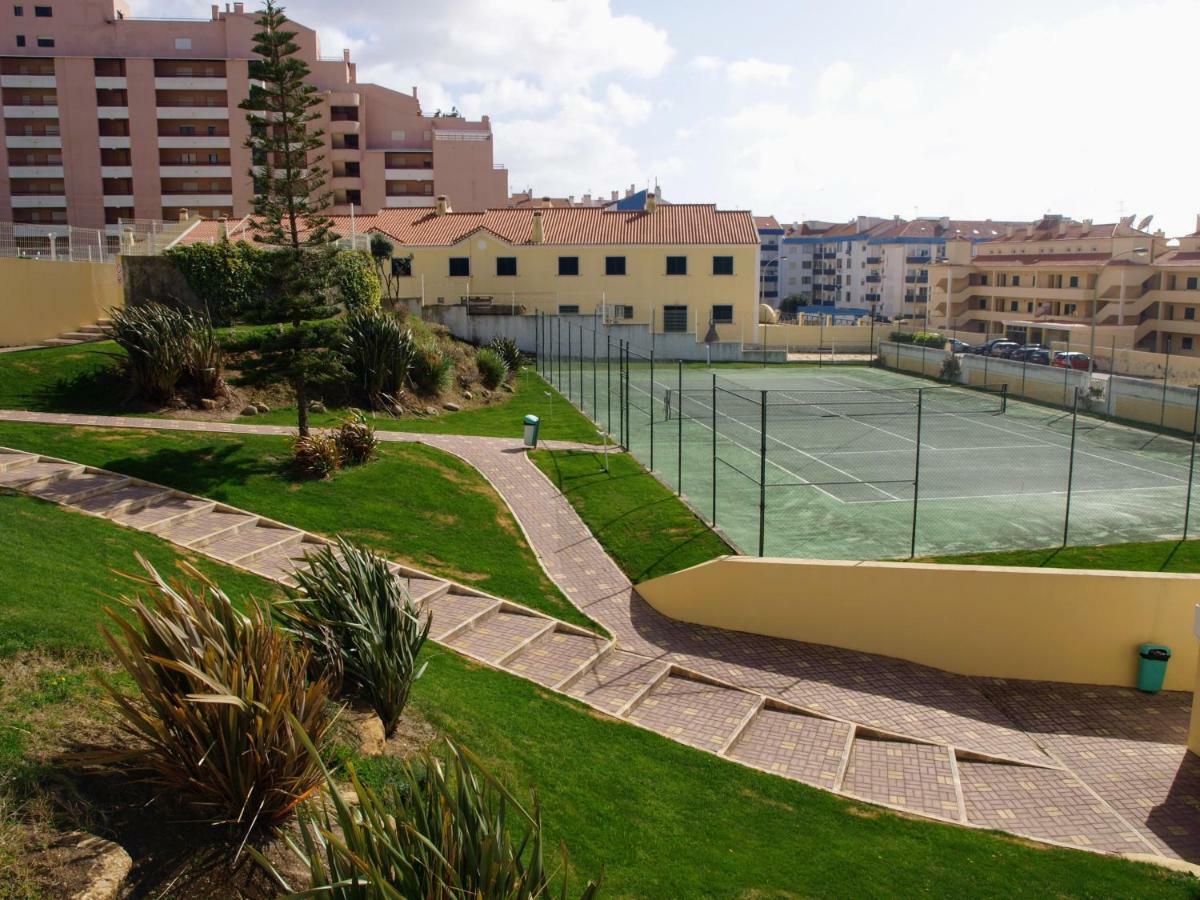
(707, 63)
(629, 109)
(835, 82)
(751, 71)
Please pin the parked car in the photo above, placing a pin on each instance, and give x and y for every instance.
(957, 346)
(1038, 357)
(1022, 353)
(1002, 348)
(1071, 360)
(985, 348)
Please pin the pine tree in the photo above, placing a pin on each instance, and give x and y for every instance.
(289, 204)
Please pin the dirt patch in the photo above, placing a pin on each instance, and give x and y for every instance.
(413, 734)
(863, 812)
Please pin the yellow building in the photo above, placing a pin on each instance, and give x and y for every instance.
(674, 267)
(1058, 281)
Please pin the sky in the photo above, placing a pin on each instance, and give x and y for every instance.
(806, 110)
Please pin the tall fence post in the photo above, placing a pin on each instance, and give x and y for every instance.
(595, 385)
(912, 545)
(762, 474)
(558, 354)
(714, 447)
(537, 339)
(1162, 414)
(679, 439)
(570, 368)
(608, 423)
(653, 384)
(1070, 468)
(1187, 505)
(582, 398)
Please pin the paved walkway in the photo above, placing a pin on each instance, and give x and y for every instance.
(1101, 768)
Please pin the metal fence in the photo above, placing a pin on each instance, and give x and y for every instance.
(67, 243)
(867, 463)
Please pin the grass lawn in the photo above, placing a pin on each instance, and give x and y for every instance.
(663, 820)
(1148, 556)
(414, 503)
(645, 528)
(84, 378)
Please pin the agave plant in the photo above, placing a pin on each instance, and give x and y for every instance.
(317, 455)
(493, 370)
(445, 830)
(509, 352)
(379, 353)
(360, 622)
(222, 715)
(202, 364)
(431, 369)
(156, 340)
(356, 439)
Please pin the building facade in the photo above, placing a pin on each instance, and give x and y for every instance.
(108, 117)
(1088, 284)
(770, 234)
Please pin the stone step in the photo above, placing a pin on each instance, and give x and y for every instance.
(104, 321)
(793, 745)
(451, 612)
(29, 474)
(423, 590)
(125, 498)
(76, 487)
(93, 329)
(197, 529)
(499, 634)
(555, 656)
(60, 342)
(916, 777)
(616, 680)
(704, 715)
(81, 337)
(280, 564)
(161, 511)
(14, 459)
(236, 545)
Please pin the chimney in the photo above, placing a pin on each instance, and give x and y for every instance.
(616, 195)
(183, 215)
(414, 92)
(571, 199)
(587, 199)
(1087, 226)
(346, 55)
(537, 235)
(651, 202)
(944, 221)
(239, 9)
(1197, 223)
(545, 202)
(442, 206)
(216, 12)
(1009, 230)
(1062, 229)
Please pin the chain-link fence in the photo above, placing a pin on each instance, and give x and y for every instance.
(861, 462)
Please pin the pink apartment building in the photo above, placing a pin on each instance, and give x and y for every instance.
(108, 117)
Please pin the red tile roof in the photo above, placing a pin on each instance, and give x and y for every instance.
(766, 222)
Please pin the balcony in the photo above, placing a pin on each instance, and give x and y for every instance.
(828, 256)
(27, 81)
(180, 170)
(872, 298)
(116, 171)
(123, 201)
(111, 82)
(190, 83)
(342, 98)
(918, 260)
(30, 112)
(197, 199)
(829, 271)
(192, 112)
(874, 260)
(186, 142)
(115, 142)
(874, 279)
(39, 201)
(343, 126)
(408, 201)
(35, 172)
(35, 141)
(922, 278)
(112, 112)
(346, 182)
(408, 174)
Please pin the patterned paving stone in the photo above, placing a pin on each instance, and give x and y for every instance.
(280, 565)
(199, 526)
(106, 503)
(555, 656)
(30, 471)
(451, 610)
(497, 635)
(919, 777)
(796, 746)
(244, 541)
(694, 712)
(616, 679)
(159, 511)
(65, 488)
(1043, 803)
(419, 588)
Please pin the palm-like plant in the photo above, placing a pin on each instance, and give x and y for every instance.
(509, 352)
(156, 341)
(493, 370)
(222, 715)
(363, 629)
(379, 353)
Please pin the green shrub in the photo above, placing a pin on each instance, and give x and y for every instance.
(357, 617)
(446, 830)
(222, 715)
(951, 369)
(156, 341)
(355, 280)
(316, 455)
(509, 352)
(493, 370)
(203, 362)
(356, 439)
(379, 354)
(431, 368)
(228, 277)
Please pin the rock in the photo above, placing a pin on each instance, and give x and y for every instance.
(486, 394)
(506, 387)
(467, 395)
(250, 410)
(262, 407)
(106, 864)
(451, 407)
(364, 731)
(206, 403)
(316, 406)
(431, 410)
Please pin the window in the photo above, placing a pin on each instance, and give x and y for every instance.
(1189, 312)
(350, 141)
(614, 265)
(43, 12)
(1074, 282)
(20, 40)
(568, 265)
(506, 265)
(183, 43)
(18, 10)
(460, 267)
(45, 42)
(187, 130)
(722, 313)
(722, 265)
(402, 266)
(675, 318)
(676, 265)
(622, 311)
(1187, 343)
(568, 309)
(1192, 283)
(1016, 282)
(1013, 306)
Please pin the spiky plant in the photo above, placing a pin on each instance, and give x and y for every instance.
(359, 620)
(445, 830)
(203, 362)
(222, 715)
(157, 341)
(379, 354)
(431, 368)
(356, 439)
(493, 370)
(316, 455)
(509, 352)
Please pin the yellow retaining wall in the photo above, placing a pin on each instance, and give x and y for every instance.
(1080, 626)
(42, 299)
(852, 337)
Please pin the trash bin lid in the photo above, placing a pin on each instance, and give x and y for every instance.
(1155, 652)
(531, 419)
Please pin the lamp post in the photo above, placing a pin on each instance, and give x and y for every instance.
(762, 299)
(1136, 251)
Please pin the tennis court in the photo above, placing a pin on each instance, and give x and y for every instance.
(828, 463)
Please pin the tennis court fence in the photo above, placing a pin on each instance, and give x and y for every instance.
(795, 467)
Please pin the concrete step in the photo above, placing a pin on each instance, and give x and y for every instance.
(27, 475)
(555, 656)
(197, 529)
(917, 777)
(14, 459)
(423, 590)
(104, 321)
(240, 543)
(93, 329)
(616, 680)
(793, 745)
(60, 342)
(81, 337)
(76, 487)
(698, 713)
(499, 634)
(163, 510)
(452, 612)
(280, 564)
(128, 498)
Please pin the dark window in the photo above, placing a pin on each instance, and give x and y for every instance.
(352, 170)
(506, 265)
(722, 313)
(1016, 281)
(568, 309)
(1189, 312)
(676, 265)
(1187, 343)
(354, 197)
(402, 266)
(43, 12)
(614, 265)
(722, 265)
(1074, 282)
(1192, 282)
(187, 130)
(350, 142)
(675, 318)
(622, 311)
(18, 10)
(568, 265)
(460, 267)
(20, 40)
(45, 42)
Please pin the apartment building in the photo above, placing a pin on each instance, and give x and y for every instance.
(674, 267)
(108, 117)
(630, 200)
(770, 233)
(1057, 280)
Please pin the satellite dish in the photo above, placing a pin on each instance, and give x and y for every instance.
(1145, 223)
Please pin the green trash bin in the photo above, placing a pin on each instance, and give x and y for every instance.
(1152, 667)
(532, 425)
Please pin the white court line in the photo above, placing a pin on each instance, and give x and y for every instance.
(944, 450)
(1021, 496)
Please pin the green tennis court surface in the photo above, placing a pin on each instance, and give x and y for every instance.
(841, 468)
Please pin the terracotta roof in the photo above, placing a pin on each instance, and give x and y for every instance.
(766, 222)
(680, 223)
(1188, 258)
